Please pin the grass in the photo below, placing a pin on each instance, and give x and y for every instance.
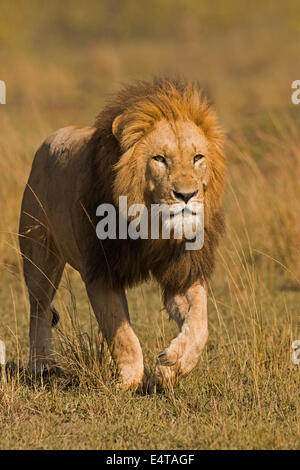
(245, 391)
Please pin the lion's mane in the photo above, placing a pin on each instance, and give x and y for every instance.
(124, 263)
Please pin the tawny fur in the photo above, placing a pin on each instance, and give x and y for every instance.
(78, 168)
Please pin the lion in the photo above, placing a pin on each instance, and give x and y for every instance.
(154, 142)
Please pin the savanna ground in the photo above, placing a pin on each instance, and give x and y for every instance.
(60, 62)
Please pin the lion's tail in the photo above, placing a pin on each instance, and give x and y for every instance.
(55, 316)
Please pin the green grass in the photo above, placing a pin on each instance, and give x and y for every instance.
(245, 390)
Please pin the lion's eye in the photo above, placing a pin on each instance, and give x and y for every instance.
(198, 157)
(160, 158)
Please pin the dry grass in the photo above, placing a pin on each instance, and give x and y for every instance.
(245, 391)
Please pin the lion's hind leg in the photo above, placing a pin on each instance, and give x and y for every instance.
(43, 269)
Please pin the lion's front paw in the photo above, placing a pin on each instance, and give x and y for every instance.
(133, 379)
(167, 368)
(172, 354)
(167, 357)
(175, 361)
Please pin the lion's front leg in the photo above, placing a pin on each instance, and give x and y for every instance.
(110, 307)
(190, 312)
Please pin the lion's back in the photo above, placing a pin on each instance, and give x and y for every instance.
(56, 180)
(67, 143)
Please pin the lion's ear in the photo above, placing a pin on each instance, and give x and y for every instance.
(116, 127)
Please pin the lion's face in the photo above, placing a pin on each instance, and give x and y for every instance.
(176, 167)
(176, 171)
(171, 163)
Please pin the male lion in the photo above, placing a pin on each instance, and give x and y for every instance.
(155, 142)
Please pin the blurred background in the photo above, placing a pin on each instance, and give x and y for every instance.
(61, 60)
(66, 57)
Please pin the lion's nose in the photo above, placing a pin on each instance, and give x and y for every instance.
(184, 196)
